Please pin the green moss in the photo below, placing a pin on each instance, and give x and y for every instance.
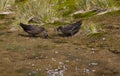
(85, 15)
(114, 12)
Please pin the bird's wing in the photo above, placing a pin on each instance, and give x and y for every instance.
(75, 28)
(68, 27)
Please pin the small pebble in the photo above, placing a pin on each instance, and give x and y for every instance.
(49, 65)
(37, 57)
(103, 39)
(46, 57)
(56, 69)
(53, 59)
(61, 63)
(56, 52)
(67, 61)
(85, 70)
(93, 49)
(38, 69)
(65, 68)
(93, 64)
(78, 59)
(29, 74)
(47, 69)
(33, 65)
(93, 70)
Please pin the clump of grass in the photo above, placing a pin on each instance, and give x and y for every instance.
(55, 11)
(103, 4)
(93, 30)
(85, 15)
(87, 8)
(5, 4)
(66, 7)
(85, 4)
(41, 9)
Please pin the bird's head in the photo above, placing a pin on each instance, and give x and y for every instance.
(21, 24)
(79, 22)
(59, 28)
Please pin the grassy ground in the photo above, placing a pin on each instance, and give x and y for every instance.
(79, 55)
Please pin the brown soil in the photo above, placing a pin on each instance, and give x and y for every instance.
(21, 55)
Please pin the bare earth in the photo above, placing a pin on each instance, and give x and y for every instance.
(79, 55)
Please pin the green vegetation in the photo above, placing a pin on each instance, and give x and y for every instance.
(51, 11)
(93, 51)
(85, 15)
(56, 12)
(92, 30)
(35, 8)
(5, 4)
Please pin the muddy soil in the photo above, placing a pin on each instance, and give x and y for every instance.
(21, 55)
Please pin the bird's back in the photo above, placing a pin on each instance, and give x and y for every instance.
(77, 25)
(31, 29)
(72, 27)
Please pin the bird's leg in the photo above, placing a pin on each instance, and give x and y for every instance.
(71, 32)
(45, 34)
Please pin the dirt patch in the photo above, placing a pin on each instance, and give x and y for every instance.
(70, 56)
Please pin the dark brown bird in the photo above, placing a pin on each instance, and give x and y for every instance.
(71, 29)
(33, 30)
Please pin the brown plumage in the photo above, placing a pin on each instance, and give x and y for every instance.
(71, 29)
(33, 30)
